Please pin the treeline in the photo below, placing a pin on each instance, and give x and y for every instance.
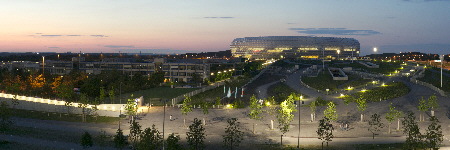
(104, 86)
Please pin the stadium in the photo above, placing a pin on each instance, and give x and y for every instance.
(268, 47)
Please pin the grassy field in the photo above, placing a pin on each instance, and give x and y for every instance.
(281, 91)
(435, 79)
(324, 81)
(395, 146)
(156, 94)
(60, 116)
(385, 67)
(390, 91)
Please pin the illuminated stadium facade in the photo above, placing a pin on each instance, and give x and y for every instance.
(268, 47)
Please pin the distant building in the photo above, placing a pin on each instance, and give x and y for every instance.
(268, 47)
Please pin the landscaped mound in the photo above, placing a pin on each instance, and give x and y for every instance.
(388, 91)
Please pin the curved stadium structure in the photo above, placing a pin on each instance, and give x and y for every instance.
(268, 47)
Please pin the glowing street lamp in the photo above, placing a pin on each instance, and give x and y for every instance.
(375, 50)
(338, 51)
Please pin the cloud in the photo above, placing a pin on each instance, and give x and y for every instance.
(53, 47)
(334, 31)
(119, 46)
(99, 35)
(425, 0)
(70, 35)
(218, 17)
(51, 35)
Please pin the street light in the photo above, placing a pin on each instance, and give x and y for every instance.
(43, 64)
(441, 57)
(375, 50)
(298, 136)
(338, 51)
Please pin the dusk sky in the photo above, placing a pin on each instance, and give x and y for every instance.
(210, 25)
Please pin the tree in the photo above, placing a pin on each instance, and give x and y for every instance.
(120, 141)
(434, 136)
(86, 140)
(233, 136)
(150, 139)
(102, 94)
(313, 107)
(392, 115)
(423, 106)
(411, 129)
(375, 124)
(432, 103)
(135, 131)
(285, 113)
(196, 135)
(205, 107)
(172, 142)
(255, 110)
(83, 103)
(5, 116)
(330, 112)
(362, 105)
(186, 107)
(111, 95)
(325, 130)
(131, 107)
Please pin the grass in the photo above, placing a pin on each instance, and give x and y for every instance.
(434, 78)
(60, 116)
(211, 95)
(156, 94)
(281, 91)
(324, 81)
(394, 146)
(385, 67)
(390, 91)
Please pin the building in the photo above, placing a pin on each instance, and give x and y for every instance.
(268, 47)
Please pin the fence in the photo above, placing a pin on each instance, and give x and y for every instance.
(421, 75)
(49, 105)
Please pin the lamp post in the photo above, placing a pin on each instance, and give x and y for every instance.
(43, 64)
(441, 57)
(375, 50)
(298, 136)
(338, 51)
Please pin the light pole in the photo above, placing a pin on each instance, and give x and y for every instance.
(298, 136)
(441, 57)
(375, 51)
(43, 65)
(338, 51)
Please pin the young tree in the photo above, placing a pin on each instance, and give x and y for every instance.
(135, 131)
(5, 116)
(423, 106)
(86, 140)
(150, 138)
(233, 136)
(196, 135)
(205, 108)
(313, 107)
(83, 104)
(330, 112)
(432, 103)
(411, 129)
(131, 108)
(111, 95)
(392, 115)
(325, 130)
(186, 107)
(434, 136)
(172, 142)
(120, 141)
(362, 105)
(102, 94)
(286, 113)
(375, 124)
(255, 110)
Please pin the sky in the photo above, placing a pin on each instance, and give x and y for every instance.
(392, 26)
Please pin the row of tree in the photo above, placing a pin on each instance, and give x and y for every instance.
(152, 138)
